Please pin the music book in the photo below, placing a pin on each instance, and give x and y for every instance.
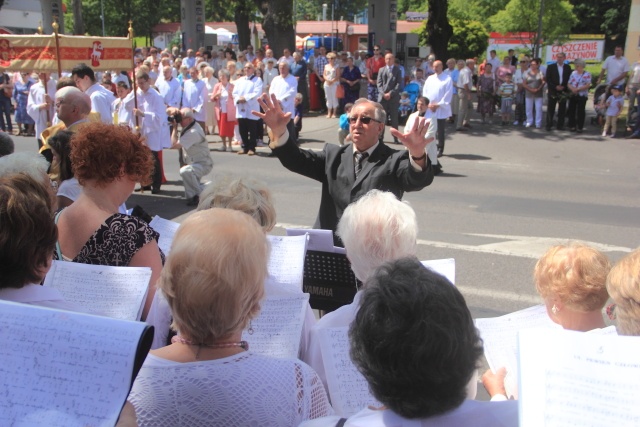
(167, 229)
(59, 368)
(500, 338)
(118, 292)
(286, 261)
(570, 378)
(278, 328)
(445, 267)
(348, 389)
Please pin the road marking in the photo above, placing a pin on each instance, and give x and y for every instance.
(468, 291)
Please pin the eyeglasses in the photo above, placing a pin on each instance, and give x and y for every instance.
(364, 119)
(376, 50)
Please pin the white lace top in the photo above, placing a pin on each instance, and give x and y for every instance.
(242, 390)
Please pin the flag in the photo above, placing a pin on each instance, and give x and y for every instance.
(39, 53)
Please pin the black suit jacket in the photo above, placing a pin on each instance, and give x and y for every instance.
(386, 169)
(553, 77)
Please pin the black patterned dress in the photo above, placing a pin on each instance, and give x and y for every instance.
(115, 242)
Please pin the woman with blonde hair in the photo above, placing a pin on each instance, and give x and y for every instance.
(331, 77)
(208, 376)
(572, 281)
(623, 284)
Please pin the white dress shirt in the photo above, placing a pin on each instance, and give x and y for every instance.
(438, 89)
(101, 100)
(36, 100)
(250, 88)
(285, 89)
(171, 91)
(194, 97)
(154, 125)
(122, 110)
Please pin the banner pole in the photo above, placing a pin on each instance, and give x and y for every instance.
(45, 83)
(133, 78)
(55, 35)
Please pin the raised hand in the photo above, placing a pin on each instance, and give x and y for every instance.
(415, 138)
(273, 116)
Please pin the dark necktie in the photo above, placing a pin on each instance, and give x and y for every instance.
(360, 158)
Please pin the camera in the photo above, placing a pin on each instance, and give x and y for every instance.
(175, 118)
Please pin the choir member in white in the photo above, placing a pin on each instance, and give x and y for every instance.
(40, 103)
(101, 98)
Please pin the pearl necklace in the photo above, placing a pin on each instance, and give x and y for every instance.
(242, 344)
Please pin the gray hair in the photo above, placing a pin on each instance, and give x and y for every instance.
(470, 62)
(187, 112)
(375, 229)
(580, 61)
(245, 195)
(380, 114)
(209, 69)
(224, 72)
(299, 96)
(461, 62)
(6, 144)
(29, 163)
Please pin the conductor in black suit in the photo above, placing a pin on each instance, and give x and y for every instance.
(390, 86)
(558, 81)
(348, 172)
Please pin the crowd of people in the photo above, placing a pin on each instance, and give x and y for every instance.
(411, 333)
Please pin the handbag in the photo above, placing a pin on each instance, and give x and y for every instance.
(340, 92)
(355, 87)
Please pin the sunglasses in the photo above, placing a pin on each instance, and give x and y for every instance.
(364, 119)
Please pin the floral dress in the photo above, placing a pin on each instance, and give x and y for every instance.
(486, 90)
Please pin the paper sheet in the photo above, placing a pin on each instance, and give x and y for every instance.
(319, 240)
(167, 229)
(286, 262)
(278, 327)
(500, 337)
(117, 292)
(348, 389)
(59, 368)
(446, 267)
(570, 378)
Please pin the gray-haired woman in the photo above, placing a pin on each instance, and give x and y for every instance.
(579, 84)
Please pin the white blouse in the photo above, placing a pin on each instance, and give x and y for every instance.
(246, 389)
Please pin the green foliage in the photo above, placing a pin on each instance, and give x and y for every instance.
(475, 10)
(608, 17)
(405, 6)
(470, 39)
(522, 15)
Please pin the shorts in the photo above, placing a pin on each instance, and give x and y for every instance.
(505, 105)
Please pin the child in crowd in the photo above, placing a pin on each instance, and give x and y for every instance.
(343, 130)
(405, 106)
(614, 106)
(506, 91)
(297, 118)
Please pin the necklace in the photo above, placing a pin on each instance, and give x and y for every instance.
(242, 344)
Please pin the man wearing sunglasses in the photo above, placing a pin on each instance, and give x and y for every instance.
(348, 172)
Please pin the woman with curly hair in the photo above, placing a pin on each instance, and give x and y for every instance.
(108, 160)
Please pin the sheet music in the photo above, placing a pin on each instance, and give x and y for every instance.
(286, 262)
(500, 337)
(167, 229)
(348, 389)
(319, 240)
(117, 292)
(570, 378)
(64, 369)
(445, 267)
(278, 327)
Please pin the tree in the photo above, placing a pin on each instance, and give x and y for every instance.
(438, 29)
(277, 23)
(241, 17)
(78, 22)
(470, 39)
(609, 17)
(522, 16)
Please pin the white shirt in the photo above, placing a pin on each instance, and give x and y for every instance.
(246, 389)
(154, 125)
(615, 67)
(465, 78)
(495, 63)
(289, 60)
(171, 92)
(122, 110)
(194, 97)
(42, 296)
(285, 89)
(249, 89)
(438, 89)
(101, 100)
(36, 99)
(268, 76)
(469, 413)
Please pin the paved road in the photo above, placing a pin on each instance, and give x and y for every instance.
(506, 195)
